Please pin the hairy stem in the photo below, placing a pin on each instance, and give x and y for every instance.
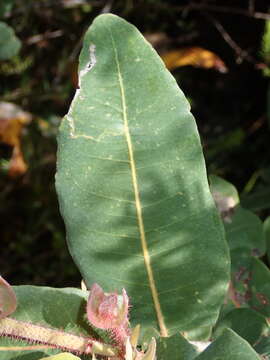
(37, 334)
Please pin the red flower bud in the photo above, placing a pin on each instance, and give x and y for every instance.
(107, 311)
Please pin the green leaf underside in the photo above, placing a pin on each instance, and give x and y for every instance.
(53, 308)
(229, 346)
(132, 185)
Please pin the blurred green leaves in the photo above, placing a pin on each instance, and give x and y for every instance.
(265, 49)
(9, 44)
(5, 7)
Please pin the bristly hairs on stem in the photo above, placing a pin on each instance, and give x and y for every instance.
(36, 334)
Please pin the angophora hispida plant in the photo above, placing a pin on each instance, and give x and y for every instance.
(139, 215)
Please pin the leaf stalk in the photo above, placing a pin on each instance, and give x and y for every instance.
(36, 334)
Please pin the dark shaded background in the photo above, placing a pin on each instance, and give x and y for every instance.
(230, 109)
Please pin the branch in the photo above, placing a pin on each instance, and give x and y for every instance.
(225, 9)
(241, 53)
(40, 37)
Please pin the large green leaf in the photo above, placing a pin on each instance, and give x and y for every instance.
(132, 185)
(54, 308)
(229, 346)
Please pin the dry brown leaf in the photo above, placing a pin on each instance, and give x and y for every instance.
(12, 121)
(194, 56)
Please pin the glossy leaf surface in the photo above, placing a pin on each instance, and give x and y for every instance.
(132, 185)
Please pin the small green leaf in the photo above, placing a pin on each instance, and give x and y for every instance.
(199, 334)
(229, 346)
(175, 347)
(247, 323)
(9, 43)
(259, 287)
(146, 334)
(224, 188)
(246, 240)
(245, 233)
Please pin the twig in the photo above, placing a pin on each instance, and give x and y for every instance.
(237, 11)
(48, 35)
(251, 6)
(241, 53)
(107, 7)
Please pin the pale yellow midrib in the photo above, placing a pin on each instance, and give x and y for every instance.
(152, 284)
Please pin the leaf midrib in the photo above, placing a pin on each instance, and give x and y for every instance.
(147, 260)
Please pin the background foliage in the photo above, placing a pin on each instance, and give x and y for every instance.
(231, 108)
